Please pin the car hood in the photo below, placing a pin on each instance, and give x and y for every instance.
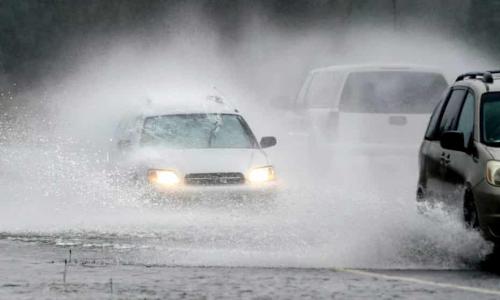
(199, 160)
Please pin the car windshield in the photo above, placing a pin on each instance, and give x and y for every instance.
(184, 131)
(392, 92)
(491, 119)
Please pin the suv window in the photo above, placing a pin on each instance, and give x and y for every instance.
(450, 115)
(490, 120)
(466, 119)
(323, 89)
(430, 133)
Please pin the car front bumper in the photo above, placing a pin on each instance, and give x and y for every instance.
(215, 193)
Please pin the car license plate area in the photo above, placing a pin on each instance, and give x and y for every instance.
(214, 178)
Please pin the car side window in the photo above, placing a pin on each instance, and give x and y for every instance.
(451, 111)
(466, 119)
(128, 129)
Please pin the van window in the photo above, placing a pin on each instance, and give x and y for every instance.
(324, 89)
(400, 92)
(450, 115)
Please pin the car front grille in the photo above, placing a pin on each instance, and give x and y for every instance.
(214, 178)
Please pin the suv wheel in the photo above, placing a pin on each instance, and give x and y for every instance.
(470, 212)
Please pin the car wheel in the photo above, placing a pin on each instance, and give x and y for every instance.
(471, 218)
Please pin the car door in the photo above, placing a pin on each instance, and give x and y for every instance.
(427, 162)
(439, 183)
(460, 162)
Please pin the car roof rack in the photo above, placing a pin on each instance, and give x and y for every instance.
(486, 77)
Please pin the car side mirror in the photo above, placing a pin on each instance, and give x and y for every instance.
(453, 140)
(267, 141)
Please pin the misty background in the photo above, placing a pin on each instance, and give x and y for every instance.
(63, 63)
(44, 38)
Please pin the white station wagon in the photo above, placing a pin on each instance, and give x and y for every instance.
(206, 151)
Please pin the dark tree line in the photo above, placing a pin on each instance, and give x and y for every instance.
(33, 33)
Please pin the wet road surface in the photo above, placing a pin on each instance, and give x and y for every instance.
(37, 270)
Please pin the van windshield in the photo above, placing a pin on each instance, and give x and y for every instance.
(392, 92)
(185, 131)
(490, 119)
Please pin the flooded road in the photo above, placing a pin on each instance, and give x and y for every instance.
(35, 269)
(285, 250)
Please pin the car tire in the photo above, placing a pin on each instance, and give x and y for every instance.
(470, 214)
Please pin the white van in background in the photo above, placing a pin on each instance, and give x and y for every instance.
(368, 108)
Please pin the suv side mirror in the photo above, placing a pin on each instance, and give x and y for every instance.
(267, 141)
(453, 140)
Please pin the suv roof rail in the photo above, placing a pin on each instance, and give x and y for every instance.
(486, 77)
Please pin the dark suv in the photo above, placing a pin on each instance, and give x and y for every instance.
(459, 158)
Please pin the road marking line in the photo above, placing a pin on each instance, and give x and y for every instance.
(423, 282)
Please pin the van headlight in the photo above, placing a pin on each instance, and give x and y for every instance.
(261, 174)
(163, 177)
(493, 172)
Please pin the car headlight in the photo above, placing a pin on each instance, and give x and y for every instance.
(493, 172)
(262, 174)
(163, 177)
